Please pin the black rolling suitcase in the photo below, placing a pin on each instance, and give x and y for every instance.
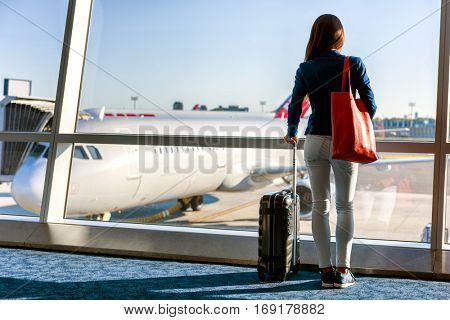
(278, 242)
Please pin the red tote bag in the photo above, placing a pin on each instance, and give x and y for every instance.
(353, 138)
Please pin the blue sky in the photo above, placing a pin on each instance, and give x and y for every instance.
(223, 52)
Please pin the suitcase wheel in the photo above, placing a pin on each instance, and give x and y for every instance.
(278, 277)
(262, 275)
(281, 278)
(296, 268)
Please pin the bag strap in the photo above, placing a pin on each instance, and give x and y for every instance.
(346, 74)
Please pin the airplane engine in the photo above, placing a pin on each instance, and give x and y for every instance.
(237, 182)
(305, 194)
(384, 168)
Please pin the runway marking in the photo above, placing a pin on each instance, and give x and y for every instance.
(225, 212)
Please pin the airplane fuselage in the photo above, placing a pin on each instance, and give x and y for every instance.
(118, 177)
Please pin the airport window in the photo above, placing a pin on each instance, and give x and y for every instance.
(24, 81)
(220, 188)
(80, 153)
(407, 104)
(393, 199)
(95, 154)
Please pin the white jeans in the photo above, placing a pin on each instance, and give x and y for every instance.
(319, 163)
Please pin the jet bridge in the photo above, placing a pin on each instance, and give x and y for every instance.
(23, 114)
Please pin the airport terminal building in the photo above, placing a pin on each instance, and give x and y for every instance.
(95, 157)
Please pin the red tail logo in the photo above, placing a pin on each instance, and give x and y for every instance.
(282, 111)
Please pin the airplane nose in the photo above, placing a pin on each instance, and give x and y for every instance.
(28, 185)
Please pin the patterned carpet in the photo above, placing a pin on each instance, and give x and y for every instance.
(32, 274)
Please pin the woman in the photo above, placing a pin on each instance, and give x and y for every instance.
(317, 77)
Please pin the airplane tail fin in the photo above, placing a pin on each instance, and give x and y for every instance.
(282, 111)
(200, 107)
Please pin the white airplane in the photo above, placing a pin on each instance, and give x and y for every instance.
(109, 178)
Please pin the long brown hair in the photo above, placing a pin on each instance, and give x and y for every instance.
(327, 33)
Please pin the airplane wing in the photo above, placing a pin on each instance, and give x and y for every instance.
(269, 173)
(273, 172)
(263, 174)
(392, 130)
(384, 162)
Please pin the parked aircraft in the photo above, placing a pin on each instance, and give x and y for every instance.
(109, 178)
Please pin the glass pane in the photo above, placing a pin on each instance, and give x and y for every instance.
(32, 34)
(242, 55)
(143, 184)
(22, 175)
(393, 200)
(447, 215)
(221, 188)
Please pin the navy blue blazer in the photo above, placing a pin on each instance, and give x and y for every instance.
(317, 78)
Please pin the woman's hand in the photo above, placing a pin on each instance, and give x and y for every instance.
(291, 140)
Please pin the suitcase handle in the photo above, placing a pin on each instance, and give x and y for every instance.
(294, 165)
(294, 195)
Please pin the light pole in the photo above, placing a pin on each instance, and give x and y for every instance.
(262, 103)
(411, 105)
(134, 99)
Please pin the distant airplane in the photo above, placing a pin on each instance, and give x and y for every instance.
(110, 178)
(198, 107)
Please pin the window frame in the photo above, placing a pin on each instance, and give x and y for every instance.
(53, 231)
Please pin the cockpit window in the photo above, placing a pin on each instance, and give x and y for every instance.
(37, 150)
(95, 154)
(79, 153)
